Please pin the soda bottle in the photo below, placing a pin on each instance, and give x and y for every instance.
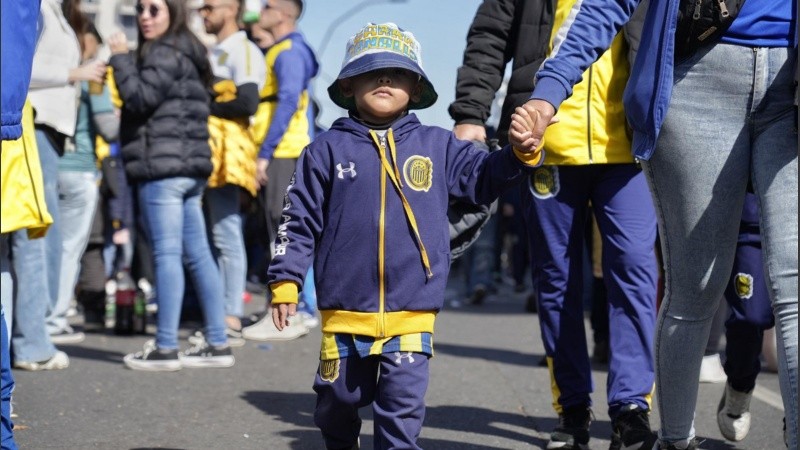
(140, 313)
(124, 303)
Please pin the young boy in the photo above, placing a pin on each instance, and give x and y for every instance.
(368, 204)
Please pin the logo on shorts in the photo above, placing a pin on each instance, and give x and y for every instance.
(418, 173)
(544, 183)
(329, 370)
(743, 283)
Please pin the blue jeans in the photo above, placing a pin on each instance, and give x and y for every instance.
(228, 244)
(6, 282)
(37, 266)
(730, 119)
(6, 388)
(174, 222)
(77, 201)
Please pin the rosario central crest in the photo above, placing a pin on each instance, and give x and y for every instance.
(418, 173)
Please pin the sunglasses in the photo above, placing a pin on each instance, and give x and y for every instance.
(152, 10)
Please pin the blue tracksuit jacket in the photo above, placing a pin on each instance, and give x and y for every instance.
(380, 248)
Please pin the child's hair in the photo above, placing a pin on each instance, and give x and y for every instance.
(382, 46)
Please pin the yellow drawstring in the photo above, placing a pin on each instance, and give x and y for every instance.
(394, 175)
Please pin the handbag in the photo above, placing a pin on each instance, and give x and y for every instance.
(703, 22)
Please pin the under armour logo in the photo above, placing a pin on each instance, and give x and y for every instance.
(350, 170)
(398, 357)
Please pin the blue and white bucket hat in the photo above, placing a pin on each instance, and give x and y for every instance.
(382, 46)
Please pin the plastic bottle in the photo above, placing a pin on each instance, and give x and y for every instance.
(140, 313)
(125, 300)
(252, 11)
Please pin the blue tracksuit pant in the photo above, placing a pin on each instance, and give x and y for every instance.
(556, 203)
(395, 384)
(751, 310)
(6, 387)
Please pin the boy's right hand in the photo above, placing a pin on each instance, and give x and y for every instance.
(281, 313)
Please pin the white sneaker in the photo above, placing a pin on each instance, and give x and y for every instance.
(309, 320)
(265, 330)
(58, 361)
(711, 370)
(733, 414)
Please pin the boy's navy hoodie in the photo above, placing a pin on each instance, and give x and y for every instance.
(381, 261)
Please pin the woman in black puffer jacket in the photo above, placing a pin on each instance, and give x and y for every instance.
(164, 135)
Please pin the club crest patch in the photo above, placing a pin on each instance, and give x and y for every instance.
(329, 370)
(743, 283)
(418, 173)
(544, 183)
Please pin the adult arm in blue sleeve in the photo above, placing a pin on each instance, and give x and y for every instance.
(290, 70)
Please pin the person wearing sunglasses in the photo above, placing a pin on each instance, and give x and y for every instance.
(164, 86)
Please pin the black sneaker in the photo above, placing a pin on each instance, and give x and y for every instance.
(235, 338)
(572, 431)
(631, 430)
(153, 359)
(207, 355)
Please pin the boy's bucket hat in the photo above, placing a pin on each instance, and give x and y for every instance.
(382, 46)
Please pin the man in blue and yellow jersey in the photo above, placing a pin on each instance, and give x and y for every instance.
(588, 160)
(239, 73)
(281, 123)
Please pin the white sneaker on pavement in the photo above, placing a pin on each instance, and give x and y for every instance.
(711, 370)
(58, 361)
(265, 330)
(733, 414)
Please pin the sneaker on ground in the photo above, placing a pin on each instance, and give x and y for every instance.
(67, 336)
(309, 320)
(153, 359)
(58, 361)
(265, 330)
(733, 413)
(691, 444)
(207, 355)
(572, 431)
(711, 370)
(630, 430)
(235, 338)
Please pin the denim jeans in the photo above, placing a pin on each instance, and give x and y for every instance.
(228, 244)
(37, 266)
(730, 119)
(77, 201)
(174, 223)
(6, 283)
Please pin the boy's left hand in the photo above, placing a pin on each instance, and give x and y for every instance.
(281, 313)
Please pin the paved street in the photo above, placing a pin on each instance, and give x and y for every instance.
(486, 392)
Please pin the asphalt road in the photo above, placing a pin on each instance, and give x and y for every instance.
(486, 392)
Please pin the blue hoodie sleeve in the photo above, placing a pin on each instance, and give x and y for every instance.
(480, 177)
(584, 36)
(291, 70)
(301, 221)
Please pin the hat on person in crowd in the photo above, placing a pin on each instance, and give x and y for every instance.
(382, 46)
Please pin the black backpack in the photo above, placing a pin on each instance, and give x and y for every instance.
(703, 22)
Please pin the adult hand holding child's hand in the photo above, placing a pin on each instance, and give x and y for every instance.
(528, 124)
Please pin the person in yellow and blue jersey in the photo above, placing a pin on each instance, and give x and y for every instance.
(368, 204)
(281, 125)
(239, 73)
(588, 160)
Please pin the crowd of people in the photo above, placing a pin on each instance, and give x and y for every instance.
(197, 169)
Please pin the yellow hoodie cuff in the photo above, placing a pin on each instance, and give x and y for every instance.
(284, 292)
(532, 159)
